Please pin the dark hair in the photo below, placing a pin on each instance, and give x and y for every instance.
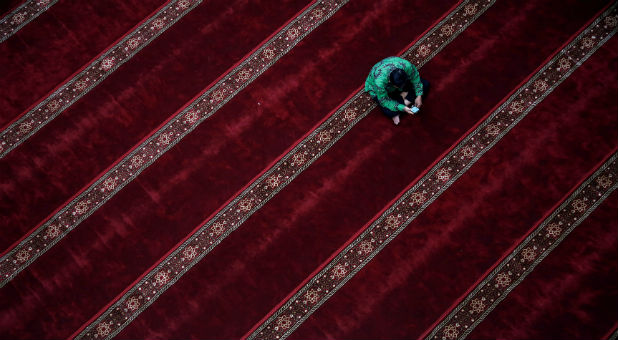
(398, 77)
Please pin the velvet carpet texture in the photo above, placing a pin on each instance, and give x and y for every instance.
(69, 288)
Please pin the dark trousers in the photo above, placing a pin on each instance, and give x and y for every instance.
(411, 97)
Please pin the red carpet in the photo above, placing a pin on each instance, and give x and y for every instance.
(227, 179)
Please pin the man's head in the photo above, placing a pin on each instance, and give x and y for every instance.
(398, 78)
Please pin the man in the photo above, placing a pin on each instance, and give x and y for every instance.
(394, 83)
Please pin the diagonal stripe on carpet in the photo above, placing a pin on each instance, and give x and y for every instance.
(21, 16)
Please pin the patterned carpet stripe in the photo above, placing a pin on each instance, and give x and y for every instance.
(162, 139)
(212, 232)
(21, 16)
(92, 74)
(511, 271)
(359, 251)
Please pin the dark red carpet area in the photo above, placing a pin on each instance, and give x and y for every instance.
(211, 182)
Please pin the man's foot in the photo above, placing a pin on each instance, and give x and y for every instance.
(396, 120)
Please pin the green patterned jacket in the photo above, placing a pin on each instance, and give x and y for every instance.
(378, 84)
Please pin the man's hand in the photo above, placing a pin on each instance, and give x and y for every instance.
(418, 102)
(408, 110)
